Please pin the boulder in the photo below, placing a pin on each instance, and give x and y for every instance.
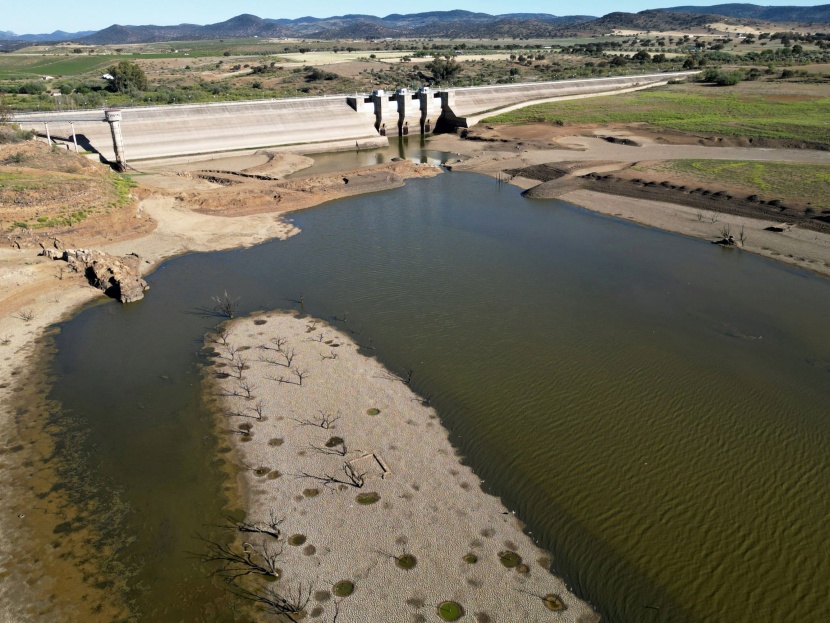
(118, 277)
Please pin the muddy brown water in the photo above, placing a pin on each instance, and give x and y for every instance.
(655, 408)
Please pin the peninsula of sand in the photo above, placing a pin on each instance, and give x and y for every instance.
(358, 505)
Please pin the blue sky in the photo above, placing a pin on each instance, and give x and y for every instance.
(37, 16)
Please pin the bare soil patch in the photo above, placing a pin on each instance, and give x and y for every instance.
(51, 193)
(234, 194)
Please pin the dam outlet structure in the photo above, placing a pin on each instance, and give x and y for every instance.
(306, 124)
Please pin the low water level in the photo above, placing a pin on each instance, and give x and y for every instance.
(409, 148)
(655, 408)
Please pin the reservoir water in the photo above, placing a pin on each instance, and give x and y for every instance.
(655, 408)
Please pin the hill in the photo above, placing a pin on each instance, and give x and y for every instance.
(456, 23)
(792, 14)
(442, 24)
(657, 20)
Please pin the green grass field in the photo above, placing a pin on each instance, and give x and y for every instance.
(802, 183)
(704, 109)
(31, 67)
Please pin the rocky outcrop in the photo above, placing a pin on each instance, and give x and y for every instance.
(118, 277)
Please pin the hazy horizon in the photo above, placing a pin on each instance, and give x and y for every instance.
(45, 16)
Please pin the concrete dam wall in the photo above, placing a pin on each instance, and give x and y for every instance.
(472, 101)
(165, 131)
(325, 123)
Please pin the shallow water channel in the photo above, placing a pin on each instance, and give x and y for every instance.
(655, 408)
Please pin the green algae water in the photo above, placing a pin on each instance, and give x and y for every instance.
(655, 408)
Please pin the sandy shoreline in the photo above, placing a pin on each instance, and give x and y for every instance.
(350, 411)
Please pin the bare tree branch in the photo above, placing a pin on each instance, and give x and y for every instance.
(352, 478)
(287, 356)
(278, 342)
(234, 562)
(269, 527)
(339, 450)
(225, 305)
(325, 421)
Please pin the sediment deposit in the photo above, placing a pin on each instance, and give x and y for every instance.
(366, 492)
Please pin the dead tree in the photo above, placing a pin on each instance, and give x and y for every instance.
(325, 421)
(26, 315)
(299, 375)
(240, 364)
(333, 355)
(278, 344)
(287, 355)
(337, 450)
(256, 415)
(237, 561)
(287, 605)
(726, 231)
(245, 389)
(352, 478)
(220, 337)
(269, 527)
(225, 305)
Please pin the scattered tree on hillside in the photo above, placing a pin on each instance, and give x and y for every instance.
(5, 111)
(128, 76)
(444, 69)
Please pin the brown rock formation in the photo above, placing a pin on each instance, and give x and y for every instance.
(118, 277)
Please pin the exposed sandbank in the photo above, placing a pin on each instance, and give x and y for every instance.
(349, 410)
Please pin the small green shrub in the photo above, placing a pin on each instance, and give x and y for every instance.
(510, 559)
(343, 588)
(450, 611)
(18, 158)
(367, 498)
(554, 603)
(407, 561)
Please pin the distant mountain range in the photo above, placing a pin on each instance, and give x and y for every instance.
(444, 24)
(58, 35)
